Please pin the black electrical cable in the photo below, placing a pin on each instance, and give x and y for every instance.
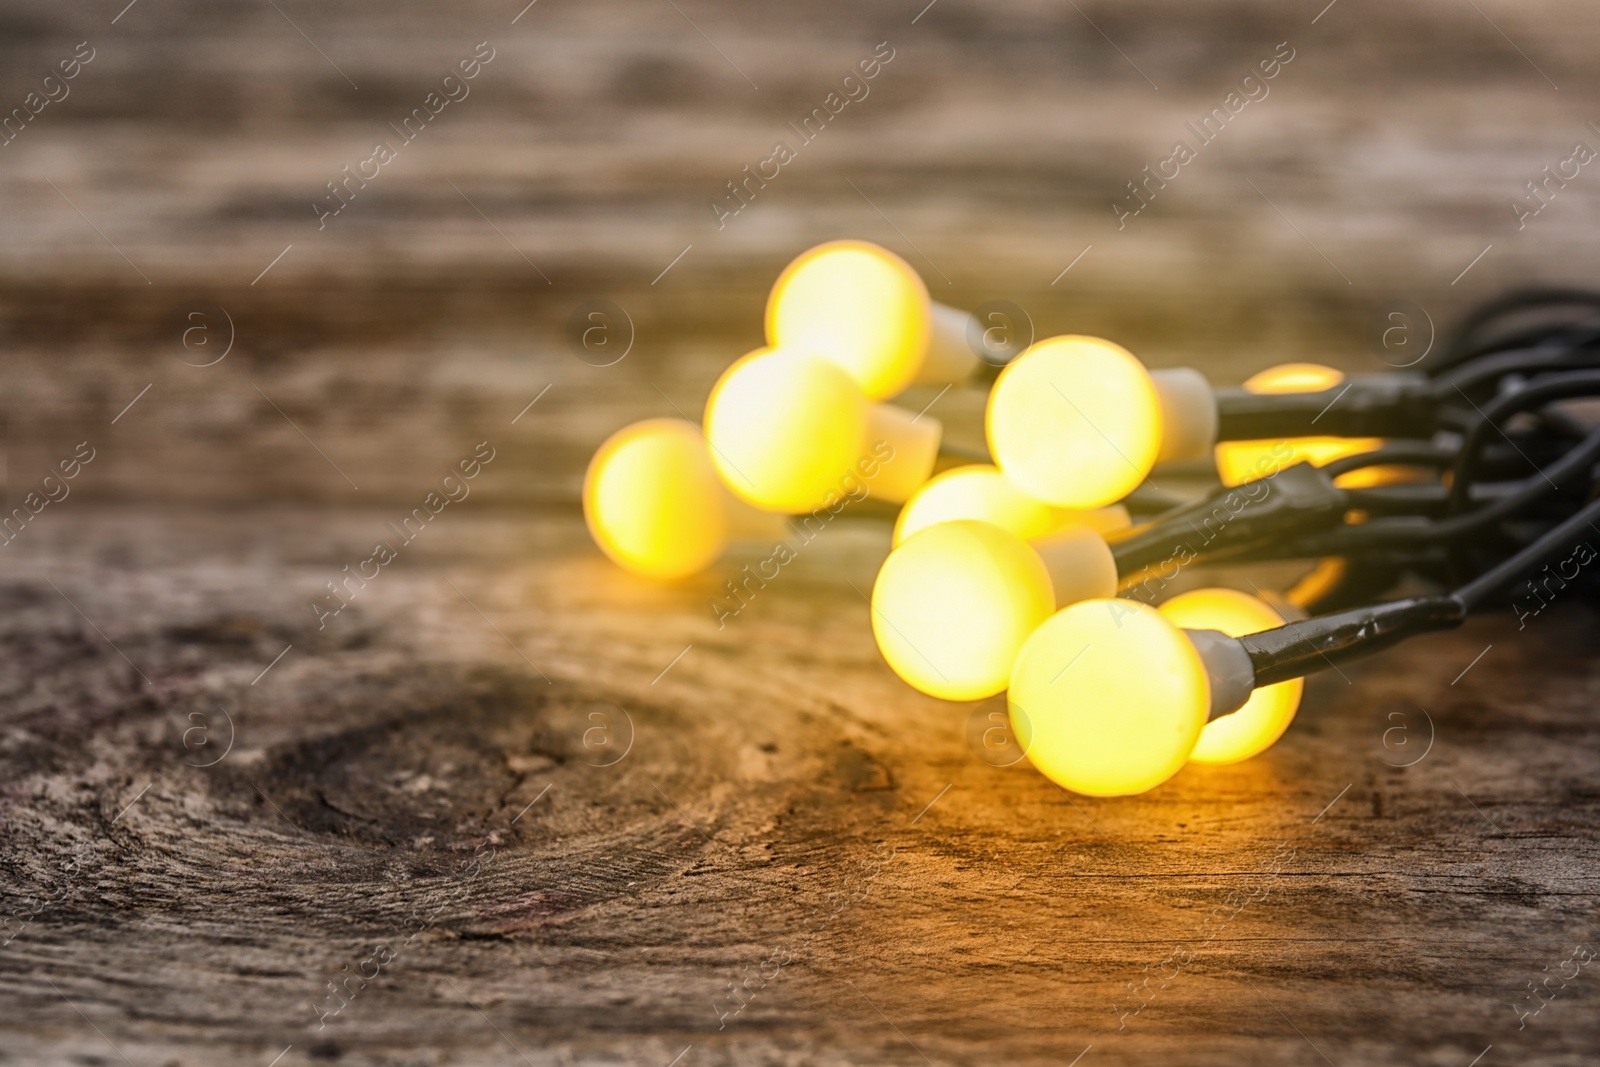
(1400, 532)
(1297, 499)
(1425, 499)
(1468, 376)
(1299, 530)
(1298, 649)
(1429, 499)
(1396, 453)
(1542, 390)
(1545, 549)
(1404, 521)
(1544, 338)
(1399, 406)
(1523, 450)
(1366, 405)
(1513, 301)
(1524, 352)
(1554, 331)
(1460, 346)
(1399, 498)
(1146, 499)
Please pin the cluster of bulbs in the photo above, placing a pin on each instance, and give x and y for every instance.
(1004, 575)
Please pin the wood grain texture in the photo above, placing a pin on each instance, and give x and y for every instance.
(776, 772)
(556, 815)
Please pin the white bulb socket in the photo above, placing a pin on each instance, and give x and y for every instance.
(1079, 562)
(914, 440)
(1188, 414)
(949, 357)
(1228, 667)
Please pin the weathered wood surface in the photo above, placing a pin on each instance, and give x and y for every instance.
(210, 906)
(1330, 904)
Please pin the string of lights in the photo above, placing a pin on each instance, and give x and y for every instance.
(1033, 567)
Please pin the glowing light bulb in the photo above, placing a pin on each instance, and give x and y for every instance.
(1110, 697)
(1079, 422)
(865, 309)
(654, 504)
(1266, 715)
(982, 492)
(792, 432)
(952, 605)
(954, 602)
(1244, 461)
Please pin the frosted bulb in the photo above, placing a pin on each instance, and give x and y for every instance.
(866, 310)
(1111, 697)
(792, 432)
(653, 502)
(1079, 422)
(952, 605)
(1244, 461)
(954, 602)
(1266, 715)
(983, 493)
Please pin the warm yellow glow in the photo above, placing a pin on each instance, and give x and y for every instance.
(981, 492)
(653, 501)
(1293, 378)
(1317, 583)
(1112, 695)
(858, 305)
(786, 429)
(1075, 421)
(1246, 461)
(952, 605)
(1252, 729)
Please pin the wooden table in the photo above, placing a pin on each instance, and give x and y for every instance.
(518, 807)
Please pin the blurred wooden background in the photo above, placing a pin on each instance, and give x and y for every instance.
(161, 912)
(993, 144)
